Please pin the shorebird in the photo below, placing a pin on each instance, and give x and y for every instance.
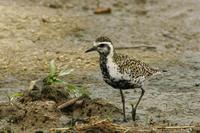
(120, 71)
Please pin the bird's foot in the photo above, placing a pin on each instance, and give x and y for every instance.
(133, 113)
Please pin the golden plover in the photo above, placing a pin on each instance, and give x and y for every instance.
(120, 71)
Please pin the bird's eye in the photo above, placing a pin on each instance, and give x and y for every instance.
(102, 45)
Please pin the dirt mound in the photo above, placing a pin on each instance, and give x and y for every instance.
(42, 106)
(30, 116)
(39, 91)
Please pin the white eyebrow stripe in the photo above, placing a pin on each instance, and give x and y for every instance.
(97, 43)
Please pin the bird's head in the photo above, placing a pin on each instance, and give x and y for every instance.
(103, 46)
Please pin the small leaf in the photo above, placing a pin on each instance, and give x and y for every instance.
(71, 87)
(52, 68)
(65, 72)
(58, 81)
(77, 91)
(17, 94)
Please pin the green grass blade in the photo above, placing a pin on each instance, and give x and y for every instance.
(52, 68)
(65, 72)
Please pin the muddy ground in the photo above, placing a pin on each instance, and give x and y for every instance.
(165, 34)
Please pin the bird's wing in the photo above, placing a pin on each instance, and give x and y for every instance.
(133, 67)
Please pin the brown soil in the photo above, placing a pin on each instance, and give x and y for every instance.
(39, 111)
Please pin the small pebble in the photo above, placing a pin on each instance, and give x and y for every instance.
(197, 84)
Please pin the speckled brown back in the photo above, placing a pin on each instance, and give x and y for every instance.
(135, 68)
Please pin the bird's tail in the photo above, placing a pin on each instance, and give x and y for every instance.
(158, 72)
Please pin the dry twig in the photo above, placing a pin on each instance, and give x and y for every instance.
(71, 102)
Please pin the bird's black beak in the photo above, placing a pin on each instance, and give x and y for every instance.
(91, 49)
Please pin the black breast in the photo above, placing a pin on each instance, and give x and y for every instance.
(118, 84)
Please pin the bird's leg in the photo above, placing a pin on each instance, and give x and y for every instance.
(123, 104)
(134, 108)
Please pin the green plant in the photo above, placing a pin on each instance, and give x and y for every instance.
(54, 75)
(77, 91)
(12, 97)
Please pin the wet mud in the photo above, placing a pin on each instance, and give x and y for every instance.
(164, 34)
